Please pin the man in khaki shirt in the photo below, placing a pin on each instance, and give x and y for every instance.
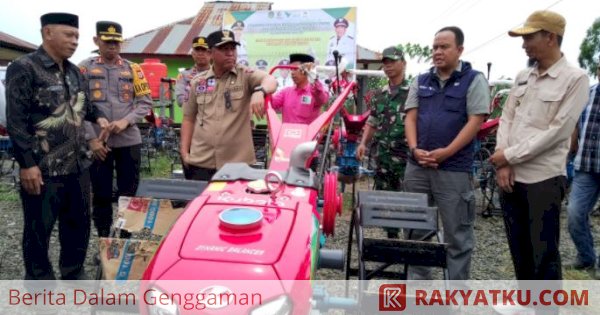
(532, 144)
(216, 124)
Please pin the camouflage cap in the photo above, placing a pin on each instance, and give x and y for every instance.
(393, 53)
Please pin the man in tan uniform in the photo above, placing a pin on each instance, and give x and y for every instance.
(533, 140)
(216, 126)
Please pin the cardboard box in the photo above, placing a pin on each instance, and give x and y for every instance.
(125, 259)
(139, 215)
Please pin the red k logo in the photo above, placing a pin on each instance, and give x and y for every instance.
(392, 297)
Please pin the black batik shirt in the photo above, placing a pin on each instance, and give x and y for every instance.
(45, 108)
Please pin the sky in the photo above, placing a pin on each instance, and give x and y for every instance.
(380, 23)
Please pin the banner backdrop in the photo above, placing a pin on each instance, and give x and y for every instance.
(268, 37)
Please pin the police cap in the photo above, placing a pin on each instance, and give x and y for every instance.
(109, 31)
(261, 63)
(221, 37)
(340, 22)
(237, 24)
(199, 42)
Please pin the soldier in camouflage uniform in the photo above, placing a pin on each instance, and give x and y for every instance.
(386, 124)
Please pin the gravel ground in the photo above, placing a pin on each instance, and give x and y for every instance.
(491, 259)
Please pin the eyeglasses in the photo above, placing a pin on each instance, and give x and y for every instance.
(227, 96)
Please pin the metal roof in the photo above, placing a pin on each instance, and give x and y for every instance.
(366, 55)
(176, 38)
(12, 42)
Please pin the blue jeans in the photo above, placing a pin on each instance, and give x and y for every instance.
(582, 199)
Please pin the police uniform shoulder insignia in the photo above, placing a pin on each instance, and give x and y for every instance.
(350, 37)
(137, 69)
(140, 85)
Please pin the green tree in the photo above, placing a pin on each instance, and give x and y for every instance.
(416, 51)
(411, 51)
(590, 48)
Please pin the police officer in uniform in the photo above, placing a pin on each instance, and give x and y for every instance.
(215, 128)
(46, 103)
(201, 57)
(238, 30)
(120, 90)
(342, 42)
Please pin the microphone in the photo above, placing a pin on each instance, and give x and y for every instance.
(336, 55)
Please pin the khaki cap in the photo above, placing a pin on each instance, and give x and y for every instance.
(541, 20)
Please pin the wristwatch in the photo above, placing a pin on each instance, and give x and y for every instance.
(412, 151)
(260, 88)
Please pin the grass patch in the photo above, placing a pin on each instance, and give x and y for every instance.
(8, 193)
(160, 165)
(576, 275)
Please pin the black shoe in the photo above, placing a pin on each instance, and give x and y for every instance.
(581, 266)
